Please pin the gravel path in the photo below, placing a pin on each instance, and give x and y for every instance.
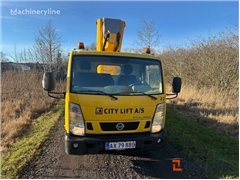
(54, 163)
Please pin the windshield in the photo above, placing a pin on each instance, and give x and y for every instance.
(92, 74)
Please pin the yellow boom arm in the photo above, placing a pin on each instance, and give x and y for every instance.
(109, 34)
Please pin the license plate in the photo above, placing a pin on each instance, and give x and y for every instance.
(120, 145)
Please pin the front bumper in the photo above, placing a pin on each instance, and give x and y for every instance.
(96, 144)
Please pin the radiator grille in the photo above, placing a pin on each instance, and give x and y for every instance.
(113, 126)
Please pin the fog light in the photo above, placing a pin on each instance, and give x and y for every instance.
(75, 145)
(159, 140)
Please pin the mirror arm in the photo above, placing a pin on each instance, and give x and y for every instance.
(176, 95)
(62, 93)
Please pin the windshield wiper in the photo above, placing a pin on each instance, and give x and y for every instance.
(149, 95)
(98, 91)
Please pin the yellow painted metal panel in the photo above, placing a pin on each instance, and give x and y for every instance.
(100, 108)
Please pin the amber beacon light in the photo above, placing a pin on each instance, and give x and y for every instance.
(147, 50)
(80, 45)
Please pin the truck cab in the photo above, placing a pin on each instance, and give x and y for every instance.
(114, 101)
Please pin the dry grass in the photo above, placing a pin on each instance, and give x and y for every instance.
(207, 62)
(210, 107)
(22, 100)
(209, 68)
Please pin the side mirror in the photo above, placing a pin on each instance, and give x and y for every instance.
(176, 85)
(48, 82)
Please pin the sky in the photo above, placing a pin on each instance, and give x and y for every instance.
(177, 22)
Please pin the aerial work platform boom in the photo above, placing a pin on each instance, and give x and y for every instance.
(109, 34)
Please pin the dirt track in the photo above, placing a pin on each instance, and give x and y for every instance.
(54, 163)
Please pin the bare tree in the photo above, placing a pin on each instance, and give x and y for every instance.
(3, 57)
(148, 35)
(91, 47)
(15, 55)
(47, 47)
(22, 56)
(211, 61)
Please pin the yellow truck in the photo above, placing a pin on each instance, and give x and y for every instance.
(114, 101)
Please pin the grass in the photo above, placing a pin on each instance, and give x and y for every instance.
(209, 107)
(216, 153)
(28, 145)
(22, 101)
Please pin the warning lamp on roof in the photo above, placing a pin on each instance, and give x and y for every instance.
(80, 45)
(147, 50)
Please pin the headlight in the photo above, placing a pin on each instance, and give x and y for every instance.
(158, 118)
(76, 120)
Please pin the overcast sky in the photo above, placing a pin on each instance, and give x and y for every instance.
(176, 21)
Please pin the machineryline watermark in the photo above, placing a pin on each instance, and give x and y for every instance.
(30, 11)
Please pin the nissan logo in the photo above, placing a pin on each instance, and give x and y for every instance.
(120, 126)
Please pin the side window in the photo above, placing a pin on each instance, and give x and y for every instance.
(153, 76)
